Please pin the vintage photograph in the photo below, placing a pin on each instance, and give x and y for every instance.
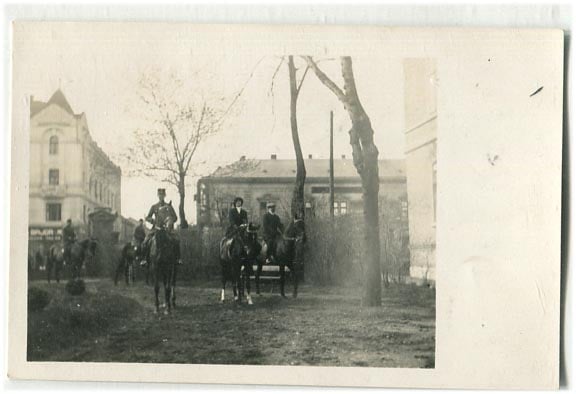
(286, 205)
(192, 206)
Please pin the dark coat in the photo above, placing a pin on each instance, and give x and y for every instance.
(153, 213)
(237, 219)
(139, 233)
(68, 235)
(271, 225)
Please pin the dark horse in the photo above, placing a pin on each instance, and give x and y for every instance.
(79, 252)
(128, 256)
(288, 254)
(163, 267)
(232, 262)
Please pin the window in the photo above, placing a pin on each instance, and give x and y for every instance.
(54, 177)
(340, 208)
(404, 206)
(53, 145)
(53, 212)
(308, 209)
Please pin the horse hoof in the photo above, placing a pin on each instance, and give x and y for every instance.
(166, 312)
(250, 301)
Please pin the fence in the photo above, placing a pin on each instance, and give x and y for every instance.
(334, 252)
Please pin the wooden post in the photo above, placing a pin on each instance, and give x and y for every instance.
(332, 166)
(331, 262)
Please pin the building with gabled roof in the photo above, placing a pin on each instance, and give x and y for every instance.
(71, 177)
(272, 180)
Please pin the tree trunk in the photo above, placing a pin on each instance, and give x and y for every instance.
(297, 206)
(182, 193)
(365, 156)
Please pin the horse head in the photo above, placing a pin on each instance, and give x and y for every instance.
(251, 245)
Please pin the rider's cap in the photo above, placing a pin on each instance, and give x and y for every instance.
(69, 221)
(162, 191)
(239, 199)
(270, 205)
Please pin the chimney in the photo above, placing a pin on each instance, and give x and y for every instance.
(273, 157)
(309, 156)
(242, 158)
(343, 156)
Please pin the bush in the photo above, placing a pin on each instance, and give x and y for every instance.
(336, 255)
(75, 287)
(37, 299)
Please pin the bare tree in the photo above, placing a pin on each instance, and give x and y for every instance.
(365, 156)
(297, 206)
(178, 122)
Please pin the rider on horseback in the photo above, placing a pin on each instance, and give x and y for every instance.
(160, 215)
(272, 227)
(237, 217)
(69, 237)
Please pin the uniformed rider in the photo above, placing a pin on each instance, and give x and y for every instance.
(68, 237)
(160, 215)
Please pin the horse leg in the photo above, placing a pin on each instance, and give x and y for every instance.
(294, 269)
(240, 283)
(48, 269)
(173, 287)
(247, 272)
(167, 291)
(156, 291)
(57, 270)
(234, 284)
(127, 272)
(237, 282)
(223, 266)
(117, 273)
(282, 279)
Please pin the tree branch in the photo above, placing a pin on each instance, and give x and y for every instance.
(325, 79)
(240, 92)
(302, 80)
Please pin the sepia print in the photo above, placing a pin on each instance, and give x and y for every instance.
(189, 204)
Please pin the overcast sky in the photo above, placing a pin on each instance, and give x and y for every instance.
(100, 79)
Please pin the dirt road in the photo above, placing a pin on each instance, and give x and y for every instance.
(323, 326)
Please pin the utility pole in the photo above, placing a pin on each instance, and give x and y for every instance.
(332, 166)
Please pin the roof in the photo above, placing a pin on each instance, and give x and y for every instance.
(315, 168)
(57, 98)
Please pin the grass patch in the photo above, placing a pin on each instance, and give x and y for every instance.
(68, 320)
